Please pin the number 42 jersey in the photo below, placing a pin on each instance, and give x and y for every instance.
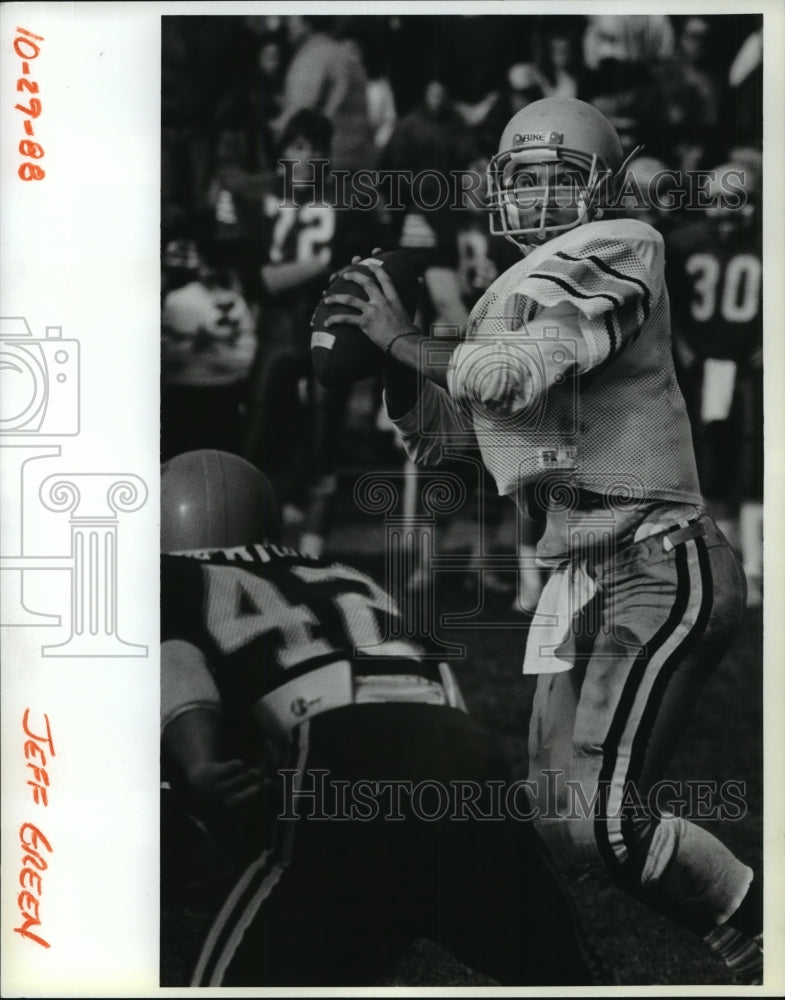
(288, 637)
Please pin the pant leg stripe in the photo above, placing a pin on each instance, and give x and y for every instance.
(241, 925)
(635, 678)
(252, 888)
(243, 890)
(640, 741)
(661, 665)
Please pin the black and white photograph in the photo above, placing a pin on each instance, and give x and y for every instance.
(390, 548)
(462, 500)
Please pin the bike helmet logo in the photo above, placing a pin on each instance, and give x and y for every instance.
(551, 137)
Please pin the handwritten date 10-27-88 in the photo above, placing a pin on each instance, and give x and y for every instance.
(26, 47)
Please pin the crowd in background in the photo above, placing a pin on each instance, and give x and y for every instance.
(244, 262)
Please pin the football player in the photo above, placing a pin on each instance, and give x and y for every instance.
(300, 227)
(714, 276)
(264, 647)
(566, 382)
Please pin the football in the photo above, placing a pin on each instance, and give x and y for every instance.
(342, 354)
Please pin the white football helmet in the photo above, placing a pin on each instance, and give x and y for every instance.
(557, 138)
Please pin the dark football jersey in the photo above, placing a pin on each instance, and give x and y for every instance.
(285, 635)
(291, 234)
(251, 206)
(715, 285)
(297, 232)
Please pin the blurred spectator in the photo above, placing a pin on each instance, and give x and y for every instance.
(627, 38)
(433, 137)
(524, 84)
(750, 160)
(381, 111)
(557, 63)
(471, 53)
(691, 95)
(621, 54)
(745, 82)
(372, 36)
(234, 219)
(270, 95)
(431, 142)
(209, 86)
(327, 75)
(185, 142)
(468, 53)
(207, 349)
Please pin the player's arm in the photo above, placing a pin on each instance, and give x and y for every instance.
(283, 277)
(191, 731)
(593, 302)
(503, 375)
(427, 419)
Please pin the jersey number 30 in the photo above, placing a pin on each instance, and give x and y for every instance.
(738, 288)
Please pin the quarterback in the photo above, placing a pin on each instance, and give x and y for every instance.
(565, 381)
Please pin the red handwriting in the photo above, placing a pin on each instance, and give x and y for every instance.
(31, 839)
(37, 745)
(27, 49)
(33, 752)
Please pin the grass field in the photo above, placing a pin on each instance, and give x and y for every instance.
(722, 741)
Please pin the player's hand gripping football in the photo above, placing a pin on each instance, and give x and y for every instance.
(383, 316)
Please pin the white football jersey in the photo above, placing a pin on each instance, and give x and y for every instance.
(566, 374)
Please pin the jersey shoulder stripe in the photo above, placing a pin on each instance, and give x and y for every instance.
(600, 267)
(613, 272)
(572, 290)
